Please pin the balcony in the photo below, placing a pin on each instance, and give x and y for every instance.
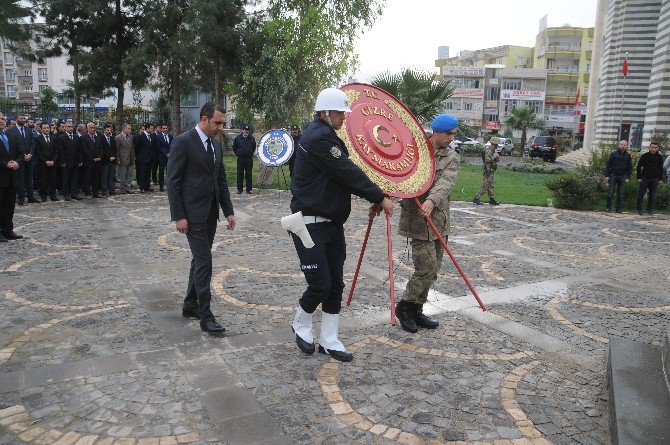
(586, 77)
(563, 73)
(572, 51)
(561, 96)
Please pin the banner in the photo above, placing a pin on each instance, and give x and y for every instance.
(522, 95)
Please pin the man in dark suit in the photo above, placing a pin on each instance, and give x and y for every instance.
(143, 144)
(89, 147)
(10, 157)
(197, 187)
(163, 143)
(108, 157)
(47, 163)
(25, 173)
(68, 158)
(155, 158)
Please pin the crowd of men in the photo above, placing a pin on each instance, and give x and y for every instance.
(85, 162)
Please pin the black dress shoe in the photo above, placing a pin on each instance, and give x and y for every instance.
(307, 348)
(3, 239)
(341, 356)
(20, 202)
(239, 192)
(11, 235)
(189, 313)
(33, 200)
(54, 198)
(212, 327)
(149, 190)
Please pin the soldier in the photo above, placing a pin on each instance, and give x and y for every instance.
(426, 248)
(491, 159)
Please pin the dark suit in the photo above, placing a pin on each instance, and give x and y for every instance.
(47, 151)
(144, 154)
(108, 167)
(25, 172)
(197, 187)
(9, 180)
(89, 147)
(155, 158)
(163, 143)
(68, 159)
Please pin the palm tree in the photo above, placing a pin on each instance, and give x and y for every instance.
(524, 119)
(417, 90)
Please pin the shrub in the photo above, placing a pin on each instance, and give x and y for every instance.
(573, 190)
(531, 167)
(471, 149)
(662, 201)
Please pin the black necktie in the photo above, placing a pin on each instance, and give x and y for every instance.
(47, 139)
(210, 151)
(70, 134)
(23, 135)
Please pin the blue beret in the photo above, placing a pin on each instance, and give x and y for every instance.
(444, 122)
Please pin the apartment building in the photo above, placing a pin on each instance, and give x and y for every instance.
(635, 106)
(565, 53)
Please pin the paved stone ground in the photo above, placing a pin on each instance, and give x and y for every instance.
(93, 348)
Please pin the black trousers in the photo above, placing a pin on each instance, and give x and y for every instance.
(70, 180)
(25, 177)
(323, 267)
(154, 168)
(244, 168)
(92, 180)
(651, 185)
(200, 238)
(7, 205)
(144, 175)
(47, 177)
(162, 165)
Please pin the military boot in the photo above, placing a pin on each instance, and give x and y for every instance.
(477, 201)
(422, 320)
(405, 313)
(493, 202)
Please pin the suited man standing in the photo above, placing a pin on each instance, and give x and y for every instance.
(197, 187)
(47, 163)
(25, 173)
(163, 143)
(68, 157)
(144, 149)
(126, 158)
(89, 146)
(10, 158)
(244, 147)
(108, 155)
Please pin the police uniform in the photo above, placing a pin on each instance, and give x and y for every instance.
(323, 180)
(491, 159)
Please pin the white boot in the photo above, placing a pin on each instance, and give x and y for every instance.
(302, 326)
(328, 342)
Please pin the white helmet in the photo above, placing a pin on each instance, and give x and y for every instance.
(332, 99)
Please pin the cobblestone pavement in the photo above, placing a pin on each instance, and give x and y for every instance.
(93, 348)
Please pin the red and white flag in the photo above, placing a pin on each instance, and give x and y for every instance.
(624, 68)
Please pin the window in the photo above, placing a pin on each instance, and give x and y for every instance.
(11, 90)
(535, 105)
(28, 73)
(467, 106)
(28, 89)
(43, 87)
(533, 84)
(471, 83)
(521, 61)
(457, 82)
(509, 105)
(453, 104)
(588, 67)
(492, 93)
(9, 59)
(512, 84)
(10, 76)
(42, 74)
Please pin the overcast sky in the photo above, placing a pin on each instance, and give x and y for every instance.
(408, 32)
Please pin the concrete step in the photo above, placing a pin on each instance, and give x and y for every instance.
(576, 158)
(638, 393)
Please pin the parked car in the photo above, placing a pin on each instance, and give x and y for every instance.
(504, 148)
(470, 141)
(544, 147)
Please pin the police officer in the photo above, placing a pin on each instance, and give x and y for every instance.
(426, 248)
(491, 159)
(244, 146)
(323, 179)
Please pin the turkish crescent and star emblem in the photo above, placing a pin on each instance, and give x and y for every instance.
(387, 142)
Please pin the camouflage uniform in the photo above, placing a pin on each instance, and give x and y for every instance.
(426, 249)
(491, 159)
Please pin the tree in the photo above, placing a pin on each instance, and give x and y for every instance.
(13, 14)
(524, 119)
(299, 48)
(116, 33)
(66, 32)
(48, 103)
(417, 90)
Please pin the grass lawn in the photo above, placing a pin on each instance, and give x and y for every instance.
(510, 187)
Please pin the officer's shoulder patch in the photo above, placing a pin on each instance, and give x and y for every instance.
(336, 152)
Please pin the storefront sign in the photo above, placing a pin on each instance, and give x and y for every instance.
(464, 71)
(522, 94)
(493, 125)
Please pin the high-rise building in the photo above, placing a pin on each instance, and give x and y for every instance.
(634, 106)
(565, 53)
